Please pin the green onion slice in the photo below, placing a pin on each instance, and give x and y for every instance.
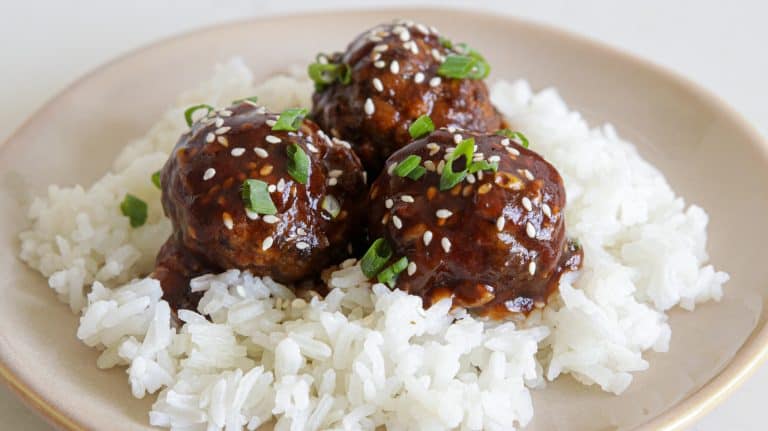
(326, 74)
(252, 99)
(422, 126)
(298, 163)
(135, 209)
(192, 109)
(331, 205)
(449, 177)
(417, 172)
(472, 66)
(156, 179)
(389, 274)
(517, 136)
(407, 165)
(256, 197)
(375, 258)
(290, 119)
(483, 165)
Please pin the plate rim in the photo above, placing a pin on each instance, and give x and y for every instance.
(746, 360)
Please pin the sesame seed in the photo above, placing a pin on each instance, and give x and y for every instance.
(532, 268)
(530, 230)
(528, 174)
(335, 173)
(434, 82)
(411, 268)
(210, 138)
(369, 107)
(451, 129)
(397, 222)
(446, 244)
(332, 181)
(422, 28)
(301, 245)
(375, 38)
(500, 223)
(312, 148)
(429, 165)
(457, 138)
(398, 29)
(209, 173)
(546, 210)
(222, 130)
(271, 188)
(273, 139)
(477, 157)
(261, 152)
(513, 151)
(440, 167)
(227, 219)
(388, 203)
(385, 219)
(505, 142)
(391, 168)
(252, 215)
(443, 213)
(379, 64)
(394, 67)
(470, 178)
(485, 188)
(427, 237)
(433, 148)
(407, 198)
(237, 152)
(270, 122)
(267, 243)
(269, 218)
(226, 113)
(219, 122)
(380, 47)
(260, 109)
(436, 54)
(377, 84)
(527, 203)
(418, 78)
(433, 29)
(266, 169)
(494, 158)
(406, 35)
(223, 141)
(280, 185)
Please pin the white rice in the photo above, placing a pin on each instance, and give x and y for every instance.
(366, 356)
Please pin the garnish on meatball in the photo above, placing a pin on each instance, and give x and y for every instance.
(256, 191)
(391, 75)
(471, 216)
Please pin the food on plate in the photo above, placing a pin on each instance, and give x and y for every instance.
(258, 191)
(393, 74)
(473, 216)
(464, 222)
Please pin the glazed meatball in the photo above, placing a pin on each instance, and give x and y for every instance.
(242, 195)
(493, 240)
(393, 80)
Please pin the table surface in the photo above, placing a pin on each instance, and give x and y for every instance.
(716, 46)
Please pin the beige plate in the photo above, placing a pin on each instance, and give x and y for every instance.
(706, 151)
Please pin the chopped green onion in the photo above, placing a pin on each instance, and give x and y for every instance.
(407, 165)
(446, 43)
(483, 165)
(389, 274)
(449, 178)
(156, 179)
(472, 66)
(298, 163)
(375, 258)
(192, 109)
(290, 119)
(517, 136)
(256, 197)
(135, 209)
(331, 205)
(421, 127)
(326, 74)
(417, 172)
(252, 99)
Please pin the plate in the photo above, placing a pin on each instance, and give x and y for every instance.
(707, 152)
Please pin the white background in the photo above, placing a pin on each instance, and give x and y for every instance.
(44, 45)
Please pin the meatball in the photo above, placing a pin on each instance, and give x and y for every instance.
(242, 195)
(393, 79)
(493, 240)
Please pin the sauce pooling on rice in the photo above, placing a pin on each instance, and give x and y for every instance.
(475, 217)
